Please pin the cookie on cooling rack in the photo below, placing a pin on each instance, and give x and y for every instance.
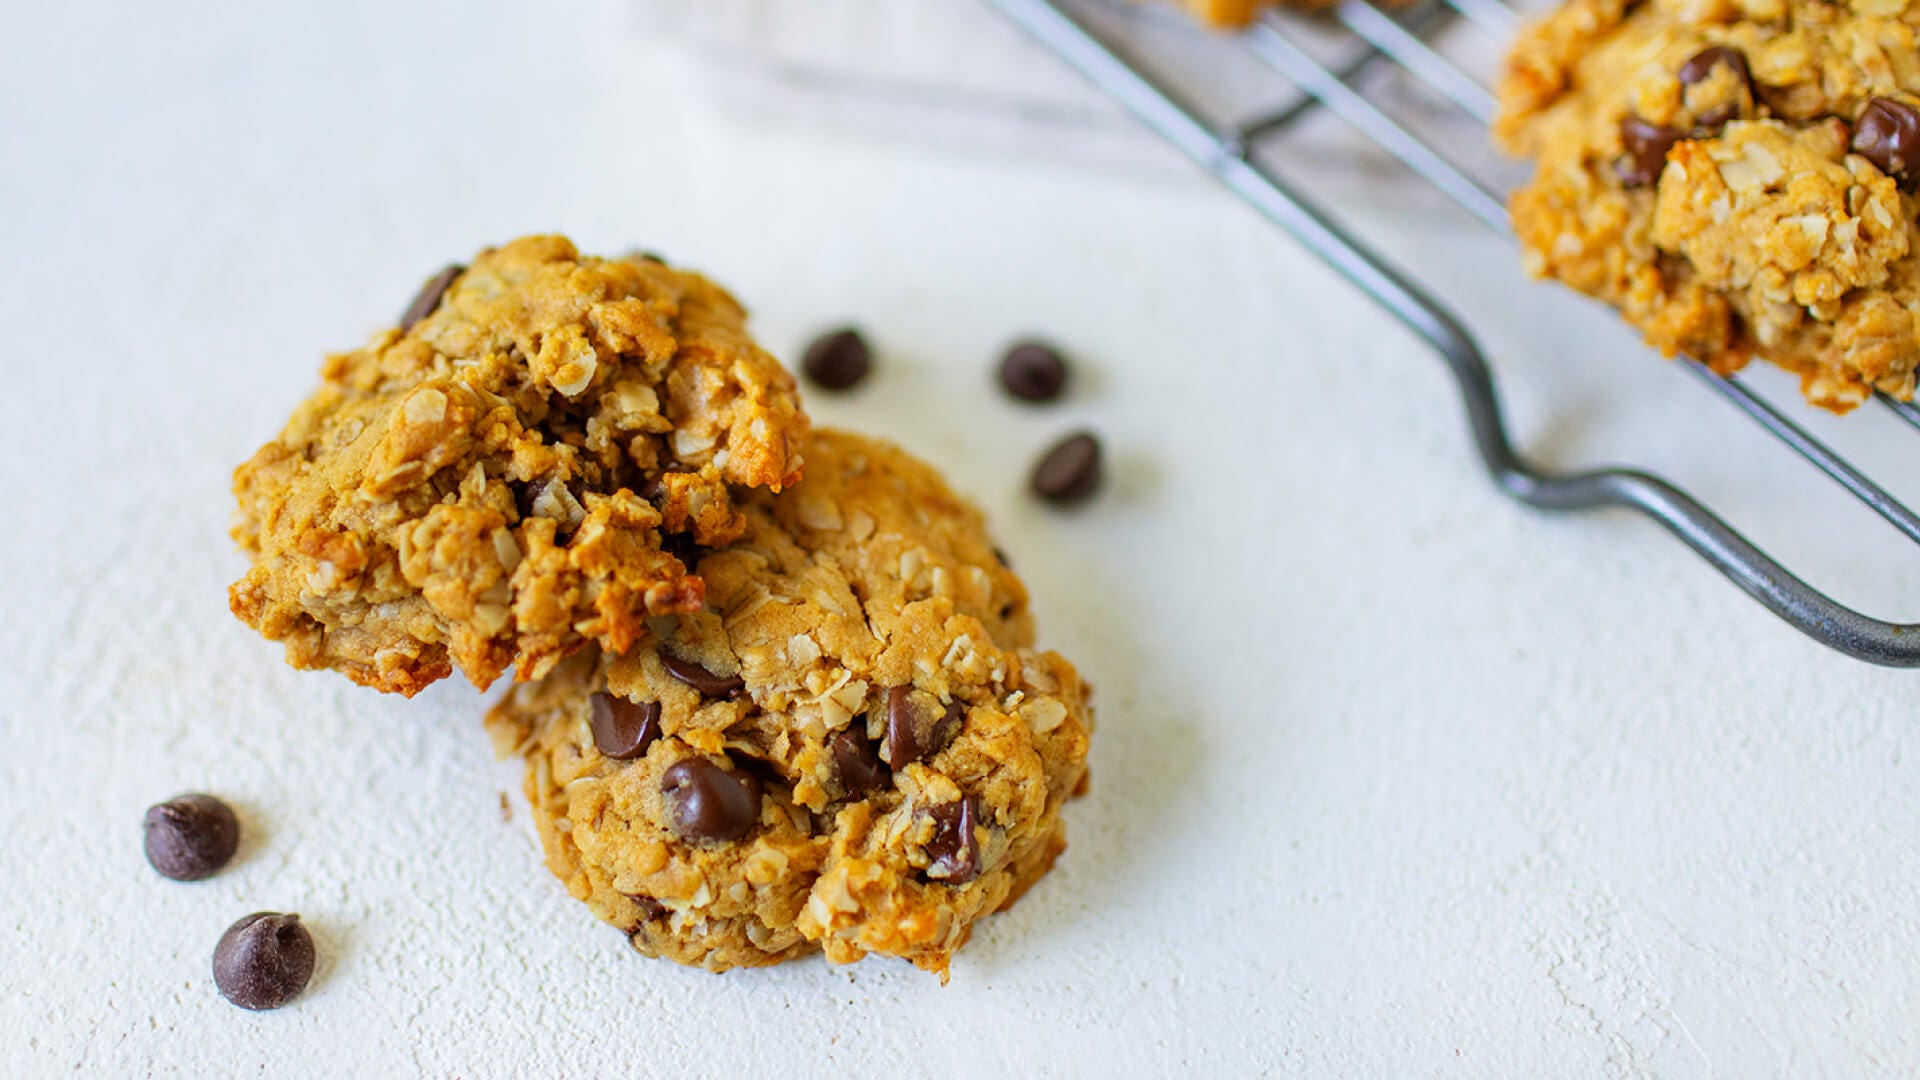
(489, 483)
(1242, 12)
(1737, 178)
(854, 749)
(1227, 12)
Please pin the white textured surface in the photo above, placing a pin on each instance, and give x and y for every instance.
(1392, 779)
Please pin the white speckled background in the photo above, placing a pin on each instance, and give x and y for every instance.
(1393, 778)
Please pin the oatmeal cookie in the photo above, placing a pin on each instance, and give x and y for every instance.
(488, 484)
(853, 749)
(1242, 12)
(1227, 12)
(1736, 176)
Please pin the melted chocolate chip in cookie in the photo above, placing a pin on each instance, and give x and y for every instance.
(708, 803)
(718, 687)
(1646, 146)
(1701, 68)
(1888, 134)
(857, 762)
(623, 729)
(649, 907)
(427, 301)
(953, 853)
(912, 733)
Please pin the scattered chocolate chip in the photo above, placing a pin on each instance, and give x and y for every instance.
(709, 803)
(1033, 371)
(1888, 134)
(1069, 471)
(911, 734)
(1646, 146)
(429, 297)
(954, 851)
(1002, 557)
(263, 961)
(190, 837)
(727, 687)
(838, 361)
(649, 907)
(623, 729)
(857, 762)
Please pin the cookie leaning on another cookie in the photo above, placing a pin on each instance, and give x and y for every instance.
(1736, 178)
(853, 749)
(488, 485)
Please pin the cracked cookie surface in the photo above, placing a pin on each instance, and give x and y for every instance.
(488, 484)
(854, 749)
(1735, 176)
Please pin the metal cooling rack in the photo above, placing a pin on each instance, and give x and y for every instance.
(1175, 81)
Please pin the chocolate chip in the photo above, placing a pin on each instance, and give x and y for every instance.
(428, 300)
(1069, 471)
(263, 961)
(649, 907)
(190, 837)
(727, 687)
(857, 762)
(1033, 371)
(1001, 556)
(1700, 68)
(709, 803)
(623, 729)
(913, 734)
(1646, 146)
(838, 361)
(1888, 134)
(953, 853)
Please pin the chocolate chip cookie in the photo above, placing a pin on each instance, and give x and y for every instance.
(1227, 12)
(854, 747)
(506, 476)
(1736, 176)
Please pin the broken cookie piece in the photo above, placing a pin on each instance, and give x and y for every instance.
(507, 476)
